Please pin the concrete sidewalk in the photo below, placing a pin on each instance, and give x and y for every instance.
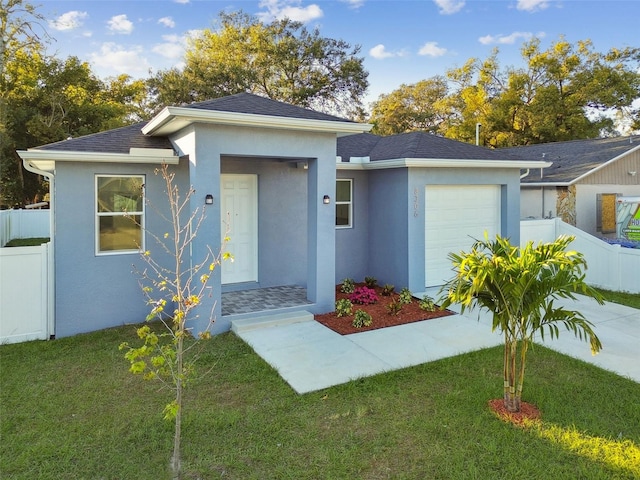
(310, 357)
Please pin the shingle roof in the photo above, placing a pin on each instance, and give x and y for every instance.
(413, 145)
(257, 105)
(572, 159)
(119, 140)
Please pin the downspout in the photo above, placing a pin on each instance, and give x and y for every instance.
(50, 257)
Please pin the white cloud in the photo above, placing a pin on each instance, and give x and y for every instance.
(68, 21)
(355, 4)
(293, 9)
(507, 39)
(120, 24)
(532, 5)
(448, 7)
(380, 52)
(181, 1)
(167, 22)
(116, 58)
(431, 49)
(172, 47)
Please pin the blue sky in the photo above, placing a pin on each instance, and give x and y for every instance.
(402, 41)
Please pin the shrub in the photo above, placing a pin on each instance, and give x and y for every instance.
(364, 296)
(427, 304)
(394, 307)
(387, 290)
(405, 296)
(362, 319)
(347, 286)
(370, 282)
(343, 307)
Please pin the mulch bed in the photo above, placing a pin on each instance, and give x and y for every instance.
(378, 311)
(528, 412)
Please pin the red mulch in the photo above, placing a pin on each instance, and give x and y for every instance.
(528, 412)
(378, 311)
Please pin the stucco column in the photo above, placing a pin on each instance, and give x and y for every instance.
(204, 176)
(321, 234)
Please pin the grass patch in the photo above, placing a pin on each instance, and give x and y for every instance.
(27, 242)
(624, 298)
(71, 410)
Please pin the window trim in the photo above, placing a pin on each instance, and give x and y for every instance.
(349, 203)
(98, 215)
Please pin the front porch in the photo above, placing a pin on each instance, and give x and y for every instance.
(242, 303)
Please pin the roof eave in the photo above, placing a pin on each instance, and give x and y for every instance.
(172, 119)
(442, 163)
(45, 160)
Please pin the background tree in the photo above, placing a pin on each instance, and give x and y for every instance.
(20, 31)
(421, 106)
(281, 60)
(519, 287)
(561, 93)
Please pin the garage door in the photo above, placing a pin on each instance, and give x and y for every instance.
(455, 215)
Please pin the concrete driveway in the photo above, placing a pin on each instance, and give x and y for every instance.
(311, 357)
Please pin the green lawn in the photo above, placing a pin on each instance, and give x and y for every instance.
(27, 242)
(69, 409)
(625, 298)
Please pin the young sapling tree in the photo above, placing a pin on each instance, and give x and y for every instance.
(173, 293)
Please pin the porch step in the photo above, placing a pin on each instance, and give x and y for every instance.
(270, 320)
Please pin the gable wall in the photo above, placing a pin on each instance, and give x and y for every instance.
(617, 172)
(94, 292)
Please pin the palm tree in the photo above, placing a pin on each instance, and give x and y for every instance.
(520, 286)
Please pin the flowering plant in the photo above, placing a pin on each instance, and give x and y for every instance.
(364, 296)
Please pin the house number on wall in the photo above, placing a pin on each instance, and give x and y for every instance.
(415, 202)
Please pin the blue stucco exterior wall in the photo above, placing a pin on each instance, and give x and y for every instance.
(389, 236)
(208, 146)
(390, 245)
(282, 218)
(92, 291)
(352, 244)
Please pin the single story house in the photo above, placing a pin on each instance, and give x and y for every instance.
(310, 199)
(583, 182)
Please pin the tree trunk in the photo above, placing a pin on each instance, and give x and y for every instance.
(175, 457)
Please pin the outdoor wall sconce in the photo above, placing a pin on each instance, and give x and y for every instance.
(208, 200)
(326, 199)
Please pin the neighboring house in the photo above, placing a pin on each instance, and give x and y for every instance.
(392, 207)
(583, 183)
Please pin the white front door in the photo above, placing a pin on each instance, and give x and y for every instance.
(239, 214)
(455, 216)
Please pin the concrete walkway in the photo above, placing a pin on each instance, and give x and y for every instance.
(311, 357)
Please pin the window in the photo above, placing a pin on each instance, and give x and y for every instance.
(344, 203)
(606, 212)
(119, 214)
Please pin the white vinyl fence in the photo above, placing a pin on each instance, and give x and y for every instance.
(23, 224)
(26, 278)
(26, 296)
(609, 266)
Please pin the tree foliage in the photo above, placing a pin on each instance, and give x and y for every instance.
(561, 93)
(520, 288)
(46, 99)
(281, 60)
(421, 106)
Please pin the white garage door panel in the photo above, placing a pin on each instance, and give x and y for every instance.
(455, 215)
